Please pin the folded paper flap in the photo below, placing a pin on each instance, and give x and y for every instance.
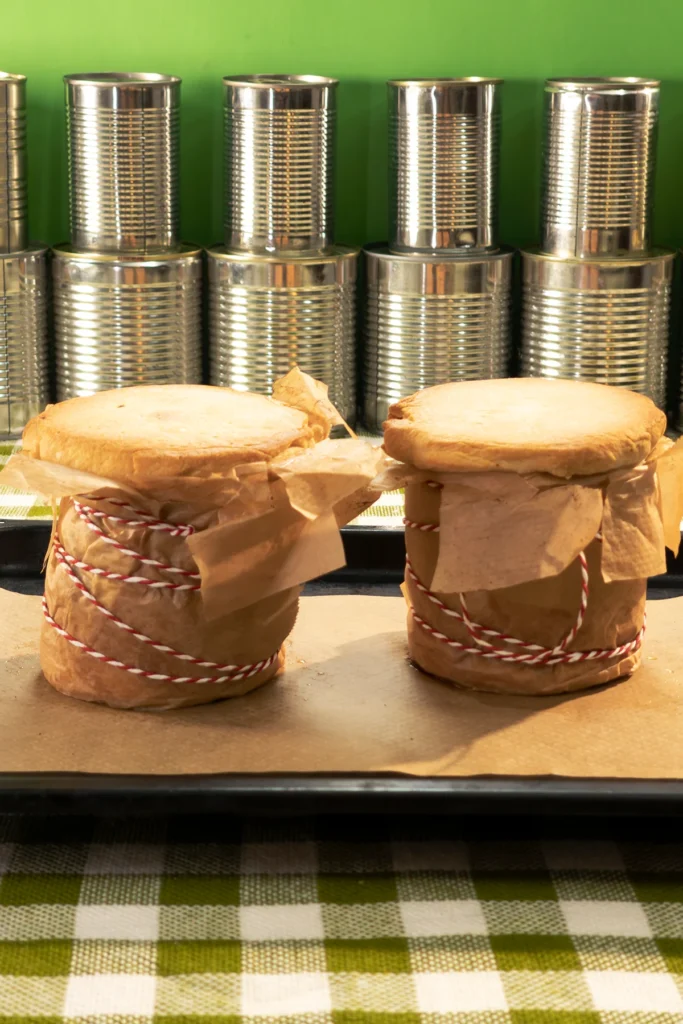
(529, 527)
(303, 392)
(501, 543)
(319, 478)
(51, 480)
(670, 477)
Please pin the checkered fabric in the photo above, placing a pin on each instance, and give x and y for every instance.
(387, 512)
(175, 923)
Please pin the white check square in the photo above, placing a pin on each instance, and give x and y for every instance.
(117, 921)
(280, 995)
(443, 917)
(279, 859)
(88, 995)
(269, 923)
(430, 856)
(633, 992)
(459, 992)
(125, 859)
(605, 917)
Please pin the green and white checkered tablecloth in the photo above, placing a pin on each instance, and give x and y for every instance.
(388, 511)
(148, 922)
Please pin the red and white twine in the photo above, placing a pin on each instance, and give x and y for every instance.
(523, 653)
(68, 563)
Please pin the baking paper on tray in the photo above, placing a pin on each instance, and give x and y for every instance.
(350, 702)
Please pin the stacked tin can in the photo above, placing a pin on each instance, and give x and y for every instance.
(596, 296)
(438, 295)
(23, 275)
(127, 294)
(280, 292)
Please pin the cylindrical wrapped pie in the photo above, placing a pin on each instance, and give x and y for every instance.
(534, 515)
(174, 573)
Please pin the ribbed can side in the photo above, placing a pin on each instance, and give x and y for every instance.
(24, 296)
(119, 323)
(432, 325)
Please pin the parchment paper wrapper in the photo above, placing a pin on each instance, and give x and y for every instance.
(261, 532)
(510, 544)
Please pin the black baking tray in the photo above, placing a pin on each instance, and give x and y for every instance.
(375, 558)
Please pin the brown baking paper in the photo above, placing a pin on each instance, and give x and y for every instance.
(508, 529)
(351, 702)
(510, 543)
(283, 499)
(260, 532)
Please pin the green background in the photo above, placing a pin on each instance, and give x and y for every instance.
(361, 42)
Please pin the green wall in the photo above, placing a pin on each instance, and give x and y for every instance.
(361, 42)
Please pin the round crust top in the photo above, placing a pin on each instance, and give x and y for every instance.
(141, 434)
(525, 425)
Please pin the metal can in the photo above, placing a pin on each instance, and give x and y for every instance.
(13, 214)
(123, 161)
(24, 390)
(430, 320)
(599, 166)
(268, 314)
(279, 162)
(121, 321)
(444, 141)
(605, 321)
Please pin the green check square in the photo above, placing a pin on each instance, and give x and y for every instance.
(357, 889)
(35, 959)
(534, 953)
(368, 956)
(554, 1017)
(33, 1020)
(189, 890)
(278, 890)
(659, 887)
(514, 885)
(672, 951)
(206, 957)
(19, 890)
(362, 1017)
(190, 1018)
(39, 512)
(115, 889)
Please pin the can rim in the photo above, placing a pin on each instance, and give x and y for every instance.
(382, 251)
(9, 76)
(623, 260)
(66, 250)
(34, 249)
(279, 81)
(121, 79)
(331, 255)
(602, 84)
(425, 83)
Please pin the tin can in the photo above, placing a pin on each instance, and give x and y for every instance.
(123, 161)
(430, 320)
(24, 388)
(605, 321)
(121, 321)
(268, 314)
(600, 146)
(279, 162)
(444, 141)
(13, 212)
